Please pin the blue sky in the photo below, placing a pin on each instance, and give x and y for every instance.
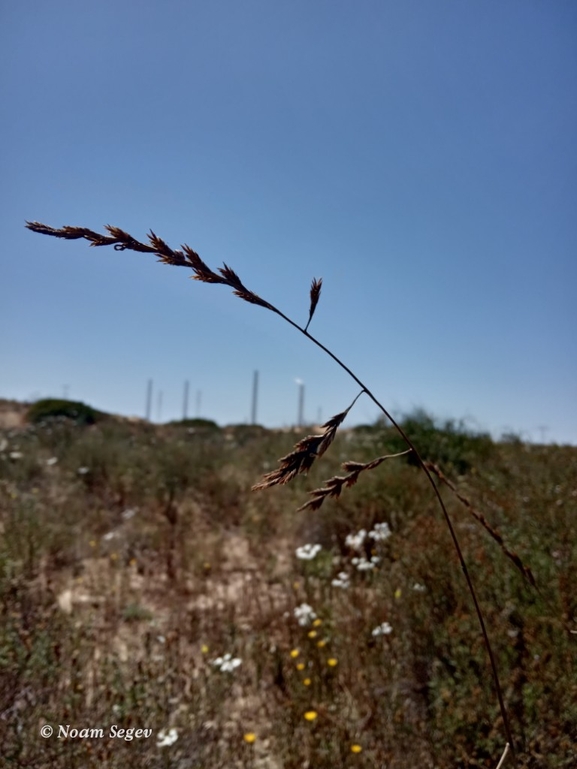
(419, 156)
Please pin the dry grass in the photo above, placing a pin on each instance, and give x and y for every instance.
(303, 455)
(113, 612)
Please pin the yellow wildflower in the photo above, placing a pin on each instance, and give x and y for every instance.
(249, 737)
(310, 715)
(356, 748)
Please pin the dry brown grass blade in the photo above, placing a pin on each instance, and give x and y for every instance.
(186, 257)
(304, 453)
(316, 286)
(491, 530)
(307, 450)
(337, 483)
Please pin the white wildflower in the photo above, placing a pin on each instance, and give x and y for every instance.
(129, 513)
(83, 470)
(227, 663)
(355, 541)
(308, 552)
(16, 455)
(418, 588)
(51, 461)
(380, 532)
(341, 580)
(109, 536)
(304, 614)
(383, 629)
(363, 564)
(166, 738)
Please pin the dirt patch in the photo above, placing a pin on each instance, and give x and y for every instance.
(12, 414)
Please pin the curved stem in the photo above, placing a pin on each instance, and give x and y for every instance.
(423, 467)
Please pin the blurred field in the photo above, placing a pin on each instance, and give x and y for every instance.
(134, 557)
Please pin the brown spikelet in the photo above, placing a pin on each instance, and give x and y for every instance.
(300, 460)
(304, 453)
(337, 483)
(493, 532)
(186, 257)
(316, 286)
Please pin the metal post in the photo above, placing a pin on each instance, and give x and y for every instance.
(301, 404)
(254, 397)
(148, 399)
(185, 403)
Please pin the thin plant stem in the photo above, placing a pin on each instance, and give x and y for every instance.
(186, 257)
(462, 562)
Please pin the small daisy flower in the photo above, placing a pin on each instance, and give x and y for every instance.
(380, 532)
(304, 614)
(165, 738)
(227, 663)
(383, 629)
(308, 552)
(342, 580)
(355, 541)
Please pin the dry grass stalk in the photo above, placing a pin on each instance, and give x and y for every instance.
(316, 286)
(310, 448)
(186, 257)
(494, 533)
(337, 483)
(304, 453)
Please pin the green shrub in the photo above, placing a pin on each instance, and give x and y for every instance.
(52, 408)
(449, 444)
(198, 423)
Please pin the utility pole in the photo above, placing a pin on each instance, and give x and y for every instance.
(301, 406)
(185, 403)
(198, 400)
(159, 406)
(254, 398)
(148, 400)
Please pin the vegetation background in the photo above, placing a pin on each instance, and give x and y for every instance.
(134, 557)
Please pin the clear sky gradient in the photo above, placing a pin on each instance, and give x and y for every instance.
(418, 156)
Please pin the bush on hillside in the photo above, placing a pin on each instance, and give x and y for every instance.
(53, 408)
(449, 444)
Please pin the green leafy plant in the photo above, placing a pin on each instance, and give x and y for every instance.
(53, 408)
